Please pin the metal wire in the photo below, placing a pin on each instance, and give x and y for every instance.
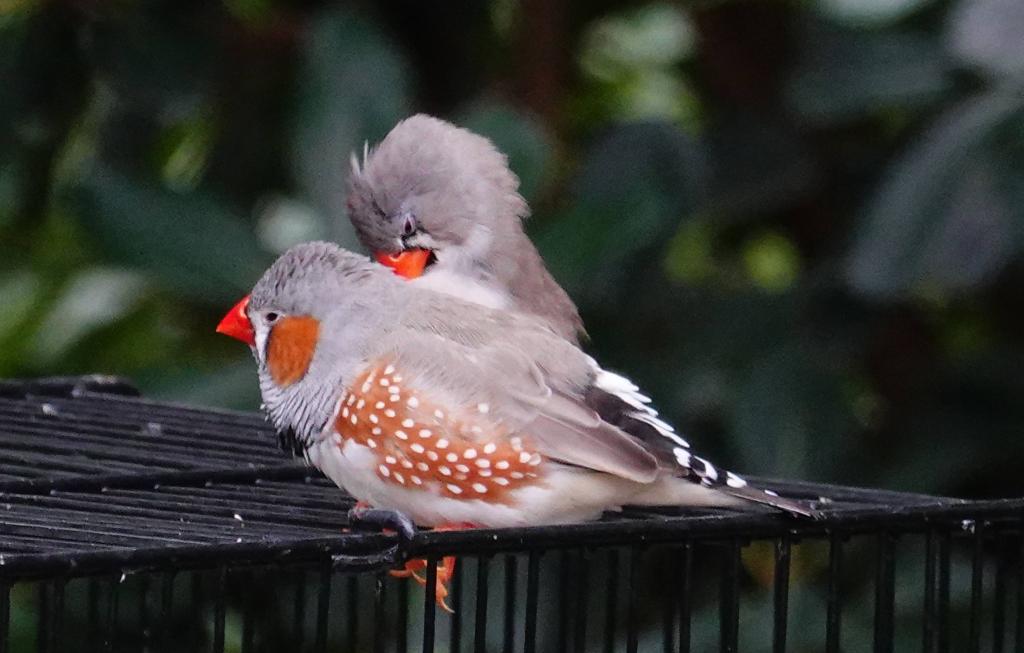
(780, 595)
(833, 618)
(532, 589)
(685, 581)
(482, 592)
(885, 590)
(582, 598)
(729, 601)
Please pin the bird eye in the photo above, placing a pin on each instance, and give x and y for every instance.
(409, 225)
(271, 317)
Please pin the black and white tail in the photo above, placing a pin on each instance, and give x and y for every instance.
(619, 401)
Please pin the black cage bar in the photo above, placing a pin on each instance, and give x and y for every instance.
(131, 525)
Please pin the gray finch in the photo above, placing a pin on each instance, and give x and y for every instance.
(449, 411)
(431, 185)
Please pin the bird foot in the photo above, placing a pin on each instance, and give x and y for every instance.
(363, 517)
(445, 569)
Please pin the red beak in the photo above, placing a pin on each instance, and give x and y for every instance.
(237, 325)
(409, 263)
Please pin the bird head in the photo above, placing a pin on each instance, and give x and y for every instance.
(306, 321)
(432, 194)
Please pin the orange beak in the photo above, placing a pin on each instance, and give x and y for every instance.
(237, 325)
(409, 263)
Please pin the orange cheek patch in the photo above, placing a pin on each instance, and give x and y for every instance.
(290, 348)
(421, 445)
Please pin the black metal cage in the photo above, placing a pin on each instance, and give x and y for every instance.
(134, 525)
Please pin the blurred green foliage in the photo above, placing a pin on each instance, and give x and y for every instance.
(798, 225)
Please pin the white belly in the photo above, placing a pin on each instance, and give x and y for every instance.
(566, 495)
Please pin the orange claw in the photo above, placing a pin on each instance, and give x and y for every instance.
(409, 263)
(444, 572)
(410, 569)
(445, 569)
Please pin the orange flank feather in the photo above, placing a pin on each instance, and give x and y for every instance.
(290, 348)
(421, 445)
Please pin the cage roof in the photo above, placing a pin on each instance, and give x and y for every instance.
(95, 479)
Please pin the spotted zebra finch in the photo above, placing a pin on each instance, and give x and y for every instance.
(450, 412)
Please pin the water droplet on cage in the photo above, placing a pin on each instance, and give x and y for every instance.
(49, 410)
(238, 517)
(968, 525)
(153, 429)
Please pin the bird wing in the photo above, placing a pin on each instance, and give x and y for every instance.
(521, 394)
(547, 389)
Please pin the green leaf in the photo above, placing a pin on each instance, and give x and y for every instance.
(655, 35)
(989, 34)
(191, 244)
(941, 221)
(94, 298)
(757, 166)
(772, 262)
(21, 292)
(152, 60)
(352, 88)
(285, 222)
(870, 13)
(231, 385)
(631, 64)
(788, 417)
(633, 188)
(10, 187)
(843, 76)
(184, 152)
(256, 13)
(520, 137)
(690, 256)
(12, 42)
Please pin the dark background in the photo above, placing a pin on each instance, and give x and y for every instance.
(797, 224)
